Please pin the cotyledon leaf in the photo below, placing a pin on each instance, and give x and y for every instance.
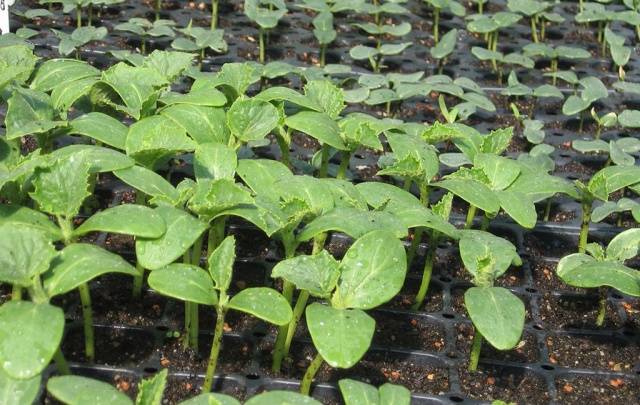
(195, 283)
(24, 253)
(77, 390)
(128, 219)
(264, 303)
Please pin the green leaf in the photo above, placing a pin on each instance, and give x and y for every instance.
(156, 138)
(251, 119)
(56, 192)
(473, 192)
(65, 95)
(497, 314)
(80, 263)
(353, 222)
(136, 87)
(327, 95)
(205, 97)
(318, 274)
(579, 270)
(394, 394)
(214, 161)
(21, 216)
(204, 124)
(151, 389)
(574, 104)
(629, 118)
(359, 393)
(101, 127)
(281, 398)
(519, 206)
(76, 390)
(286, 94)
(404, 145)
(184, 282)
(341, 336)
(213, 197)
(128, 219)
(261, 175)
(614, 178)
(446, 45)
(56, 71)
(150, 183)
(17, 391)
(221, 263)
(25, 252)
(169, 65)
(314, 192)
(373, 271)
(211, 398)
(98, 159)
(29, 336)
(593, 89)
(182, 231)
(501, 171)
(264, 303)
(476, 247)
(624, 246)
(317, 125)
(29, 112)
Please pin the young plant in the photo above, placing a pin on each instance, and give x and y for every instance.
(199, 40)
(616, 207)
(619, 151)
(498, 59)
(554, 54)
(592, 90)
(490, 26)
(356, 393)
(537, 13)
(265, 13)
(619, 53)
(600, 186)
(371, 273)
(193, 284)
(323, 28)
(146, 29)
(532, 130)
(70, 43)
(497, 314)
(438, 6)
(600, 268)
(71, 5)
(379, 30)
(444, 48)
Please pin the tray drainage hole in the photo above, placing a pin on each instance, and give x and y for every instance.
(538, 327)
(448, 316)
(628, 332)
(547, 367)
(259, 334)
(531, 290)
(162, 328)
(252, 376)
(455, 398)
(445, 279)
(150, 370)
(617, 296)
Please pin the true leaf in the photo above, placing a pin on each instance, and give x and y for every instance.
(317, 125)
(214, 161)
(24, 253)
(221, 263)
(318, 274)
(151, 389)
(251, 119)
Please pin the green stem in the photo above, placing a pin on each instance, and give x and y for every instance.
(324, 165)
(407, 184)
(215, 349)
(534, 30)
(547, 210)
(315, 365)
(78, 17)
(584, 228)
(344, 164)
(471, 213)
(415, 243)
(157, 9)
(476, 346)
(543, 27)
(485, 222)
(195, 327)
(16, 293)
(90, 17)
(61, 363)
(87, 316)
(301, 304)
(602, 307)
(480, 7)
(426, 272)
(323, 54)
(284, 149)
(138, 281)
(214, 14)
(143, 46)
(436, 23)
(261, 38)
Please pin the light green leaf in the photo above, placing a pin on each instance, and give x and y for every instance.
(476, 247)
(589, 273)
(149, 182)
(341, 336)
(497, 314)
(29, 112)
(24, 253)
(156, 138)
(624, 246)
(128, 219)
(251, 119)
(221, 263)
(214, 161)
(151, 389)
(203, 124)
(264, 303)
(80, 263)
(318, 274)
(15, 391)
(359, 393)
(473, 192)
(281, 398)
(519, 206)
(394, 394)
(76, 390)
(373, 271)
(101, 127)
(29, 336)
(21, 216)
(184, 282)
(211, 398)
(317, 125)
(182, 231)
(56, 71)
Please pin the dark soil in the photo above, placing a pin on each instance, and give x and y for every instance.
(506, 384)
(597, 390)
